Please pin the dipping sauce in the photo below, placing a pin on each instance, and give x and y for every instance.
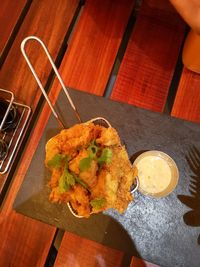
(154, 174)
(158, 173)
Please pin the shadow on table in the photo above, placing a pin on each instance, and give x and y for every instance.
(116, 238)
(192, 218)
(121, 241)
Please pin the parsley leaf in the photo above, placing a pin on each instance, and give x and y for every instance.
(66, 180)
(106, 156)
(93, 149)
(63, 186)
(70, 179)
(81, 182)
(98, 203)
(84, 164)
(56, 161)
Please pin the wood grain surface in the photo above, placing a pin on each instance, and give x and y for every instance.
(187, 101)
(26, 242)
(10, 12)
(94, 44)
(160, 5)
(150, 59)
(49, 20)
(79, 252)
(136, 262)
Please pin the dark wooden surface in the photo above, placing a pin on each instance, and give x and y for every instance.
(97, 255)
(136, 262)
(187, 101)
(9, 15)
(88, 64)
(149, 62)
(27, 242)
(97, 37)
(47, 24)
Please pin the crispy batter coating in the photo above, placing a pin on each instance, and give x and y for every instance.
(90, 169)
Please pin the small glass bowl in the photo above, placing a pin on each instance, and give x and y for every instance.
(173, 168)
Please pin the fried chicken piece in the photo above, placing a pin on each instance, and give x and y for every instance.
(120, 177)
(52, 148)
(74, 164)
(77, 136)
(79, 200)
(69, 140)
(56, 196)
(109, 137)
(99, 189)
(115, 180)
(56, 173)
(88, 176)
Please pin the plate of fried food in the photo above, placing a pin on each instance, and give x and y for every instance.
(90, 169)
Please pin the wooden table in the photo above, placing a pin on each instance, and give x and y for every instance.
(119, 50)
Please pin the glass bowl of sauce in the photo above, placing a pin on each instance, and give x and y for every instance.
(157, 173)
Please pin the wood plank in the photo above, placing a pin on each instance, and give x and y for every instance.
(9, 15)
(136, 262)
(26, 242)
(148, 65)
(76, 251)
(165, 6)
(49, 24)
(187, 102)
(95, 43)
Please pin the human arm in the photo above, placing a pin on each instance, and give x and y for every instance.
(190, 12)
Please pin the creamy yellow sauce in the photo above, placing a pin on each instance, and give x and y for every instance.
(154, 174)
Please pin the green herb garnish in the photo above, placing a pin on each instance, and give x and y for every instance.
(84, 164)
(81, 182)
(56, 161)
(106, 156)
(93, 149)
(63, 186)
(70, 179)
(98, 203)
(66, 180)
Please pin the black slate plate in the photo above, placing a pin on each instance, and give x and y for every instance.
(151, 228)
